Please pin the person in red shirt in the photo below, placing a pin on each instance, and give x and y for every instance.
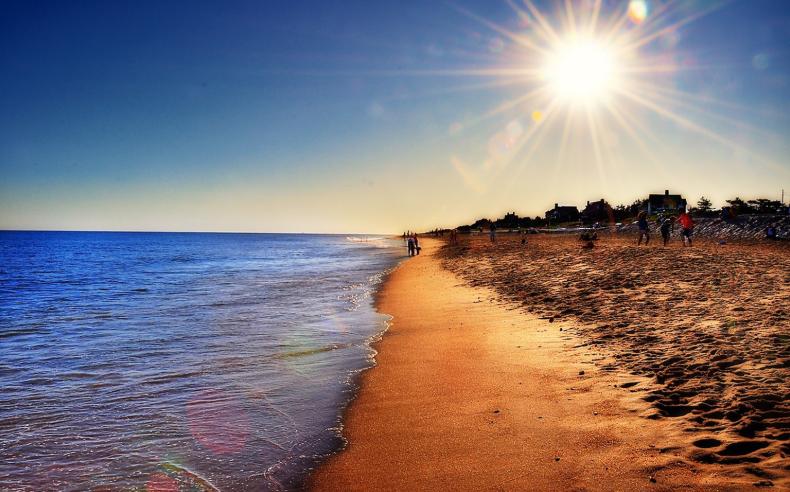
(687, 227)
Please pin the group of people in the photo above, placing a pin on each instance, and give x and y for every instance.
(666, 225)
(412, 243)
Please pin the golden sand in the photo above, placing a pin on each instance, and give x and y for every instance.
(471, 393)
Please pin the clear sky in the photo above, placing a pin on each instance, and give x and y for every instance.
(362, 116)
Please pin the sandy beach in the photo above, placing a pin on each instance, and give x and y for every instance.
(707, 325)
(474, 392)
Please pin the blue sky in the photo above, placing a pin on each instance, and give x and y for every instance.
(362, 116)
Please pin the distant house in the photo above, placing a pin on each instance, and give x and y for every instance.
(509, 221)
(564, 213)
(665, 203)
(599, 211)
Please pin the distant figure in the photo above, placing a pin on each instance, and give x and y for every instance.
(666, 228)
(687, 227)
(770, 232)
(523, 237)
(453, 236)
(587, 238)
(492, 232)
(416, 244)
(644, 228)
(410, 246)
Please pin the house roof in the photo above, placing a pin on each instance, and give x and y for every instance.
(563, 210)
(661, 196)
(666, 200)
(596, 205)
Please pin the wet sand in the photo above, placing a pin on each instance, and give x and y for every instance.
(471, 393)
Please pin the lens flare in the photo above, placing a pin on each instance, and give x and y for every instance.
(496, 45)
(160, 482)
(637, 11)
(218, 421)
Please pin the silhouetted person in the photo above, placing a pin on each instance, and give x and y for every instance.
(410, 246)
(587, 238)
(416, 244)
(644, 228)
(492, 232)
(666, 227)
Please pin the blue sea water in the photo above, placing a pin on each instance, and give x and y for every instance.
(134, 360)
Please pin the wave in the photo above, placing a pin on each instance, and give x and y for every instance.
(364, 239)
(313, 351)
(22, 332)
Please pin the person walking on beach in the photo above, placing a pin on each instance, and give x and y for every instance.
(666, 227)
(687, 227)
(644, 228)
(410, 246)
(492, 232)
(416, 244)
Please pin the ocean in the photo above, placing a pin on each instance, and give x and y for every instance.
(165, 360)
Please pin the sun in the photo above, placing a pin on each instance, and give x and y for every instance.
(581, 70)
(592, 76)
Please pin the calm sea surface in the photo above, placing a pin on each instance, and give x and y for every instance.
(145, 360)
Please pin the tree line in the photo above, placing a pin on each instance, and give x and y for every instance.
(605, 213)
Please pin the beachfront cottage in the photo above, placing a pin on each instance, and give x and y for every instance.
(665, 203)
(564, 213)
(599, 211)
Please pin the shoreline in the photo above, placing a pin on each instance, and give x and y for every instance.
(336, 443)
(454, 396)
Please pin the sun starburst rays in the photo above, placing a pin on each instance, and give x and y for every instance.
(598, 68)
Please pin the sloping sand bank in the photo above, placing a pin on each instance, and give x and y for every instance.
(709, 326)
(470, 394)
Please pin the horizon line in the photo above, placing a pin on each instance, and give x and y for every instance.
(142, 231)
